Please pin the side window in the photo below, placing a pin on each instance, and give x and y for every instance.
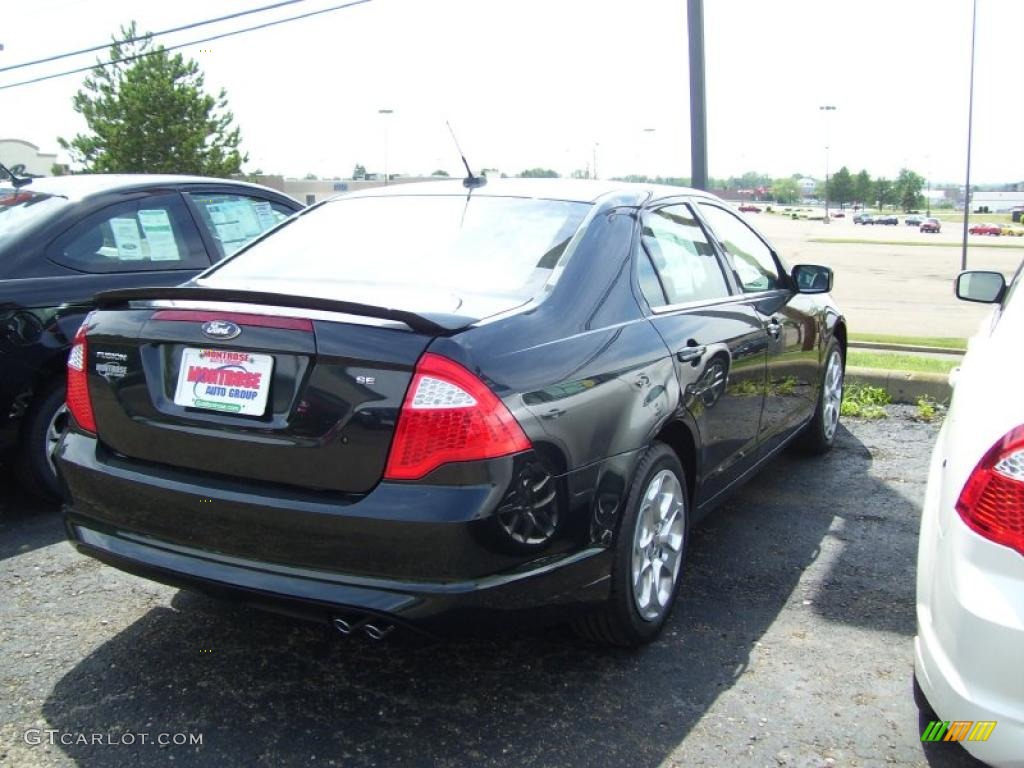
(152, 233)
(684, 260)
(650, 286)
(235, 220)
(752, 259)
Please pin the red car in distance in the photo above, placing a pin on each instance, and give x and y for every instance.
(748, 208)
(985, 229)
(931, 225)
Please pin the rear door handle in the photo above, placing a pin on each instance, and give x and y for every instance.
(691, 354)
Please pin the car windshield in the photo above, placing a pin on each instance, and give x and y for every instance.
(458, 244)
(21, 208)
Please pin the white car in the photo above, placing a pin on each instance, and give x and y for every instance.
(969, 649)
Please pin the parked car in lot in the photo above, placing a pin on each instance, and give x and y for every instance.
(749, 208)
(521, 398)
(1011, 230)
(837, 215)
(970, 569)
(863, 218)
(931, 225)
(62, 239)
(914, 220)
(985, 229)
(886, 219)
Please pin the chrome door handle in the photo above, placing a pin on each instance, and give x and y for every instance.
(691, 354)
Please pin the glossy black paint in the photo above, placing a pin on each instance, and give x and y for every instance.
(592, 375)
(42, 303)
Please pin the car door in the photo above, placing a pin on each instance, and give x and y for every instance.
(716, 338)
(231, 219)
(788, 317)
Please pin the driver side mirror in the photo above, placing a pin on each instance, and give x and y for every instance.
(812, 278)
(979, 286)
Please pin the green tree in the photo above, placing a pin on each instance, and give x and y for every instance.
(884, 192)
(863, 188)
(841, 186)
(909, 186)
(786, 191)
(439, 172)
(149, 113)
(359, 172)
(539, 173)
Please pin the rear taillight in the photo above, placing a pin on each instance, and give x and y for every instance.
(79, 402)
(449, 415)
(992, 501)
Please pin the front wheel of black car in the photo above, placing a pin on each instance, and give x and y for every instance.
(820, 433)
(43, 428)
(649, 555)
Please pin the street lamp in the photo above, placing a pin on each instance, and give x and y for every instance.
(826, 109)
(385, 112)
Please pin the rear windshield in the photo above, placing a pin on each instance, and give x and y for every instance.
(491, 245)
(21, 209)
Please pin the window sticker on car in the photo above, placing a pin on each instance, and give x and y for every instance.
(265, 215)
(156, 225)
(127, 238)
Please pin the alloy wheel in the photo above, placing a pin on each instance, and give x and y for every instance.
(658, 545)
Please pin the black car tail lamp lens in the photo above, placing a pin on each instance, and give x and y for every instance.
(449, 415)
(79, 402)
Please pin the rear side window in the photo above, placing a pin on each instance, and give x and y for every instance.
(753, 260)
(152, 233)
(684, 260)
(235, 220)
(21, 209)
(456, 244)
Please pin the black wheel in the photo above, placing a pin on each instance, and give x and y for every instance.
(649, 555)
(820, 433)
(43, 427)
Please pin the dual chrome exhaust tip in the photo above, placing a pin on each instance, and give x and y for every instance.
(373, 630)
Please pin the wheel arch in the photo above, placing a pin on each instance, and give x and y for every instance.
(680, 438)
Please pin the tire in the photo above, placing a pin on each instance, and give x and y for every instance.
(626, 619)
(45, 421)
(820, 433)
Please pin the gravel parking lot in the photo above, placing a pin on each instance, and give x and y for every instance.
(792, 646)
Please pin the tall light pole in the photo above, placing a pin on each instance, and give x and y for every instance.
(385, 113)
(970, 126)
(698, 101)
(826, 108)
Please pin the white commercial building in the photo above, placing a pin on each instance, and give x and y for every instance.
(24, 157)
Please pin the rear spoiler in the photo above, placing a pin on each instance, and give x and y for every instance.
(434, 324)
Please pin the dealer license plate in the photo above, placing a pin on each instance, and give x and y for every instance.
(224, 380)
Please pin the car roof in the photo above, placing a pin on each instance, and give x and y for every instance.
(81, 186)
(573, 190)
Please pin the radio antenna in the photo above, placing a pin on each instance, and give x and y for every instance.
(471, 181)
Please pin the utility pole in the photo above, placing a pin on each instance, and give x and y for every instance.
(385, 113)
(970, 126)
(827, 108)
(698, 102)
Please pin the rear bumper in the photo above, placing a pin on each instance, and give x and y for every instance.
(416, 554)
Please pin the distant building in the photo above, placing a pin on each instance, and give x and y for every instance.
(808, 186)
(996, 202)
(24, 157)
(311, 191)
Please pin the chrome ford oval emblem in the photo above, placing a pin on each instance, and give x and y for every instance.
(220, 329)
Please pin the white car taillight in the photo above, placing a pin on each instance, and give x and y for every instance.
(992, 501)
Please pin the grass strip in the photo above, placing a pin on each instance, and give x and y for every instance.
(897, 361)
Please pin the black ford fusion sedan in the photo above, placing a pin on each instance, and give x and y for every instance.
(430, 403)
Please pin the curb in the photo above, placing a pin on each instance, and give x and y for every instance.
(911, 348)
(904, 386)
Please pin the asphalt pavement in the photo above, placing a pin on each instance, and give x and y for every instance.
(791, 646)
